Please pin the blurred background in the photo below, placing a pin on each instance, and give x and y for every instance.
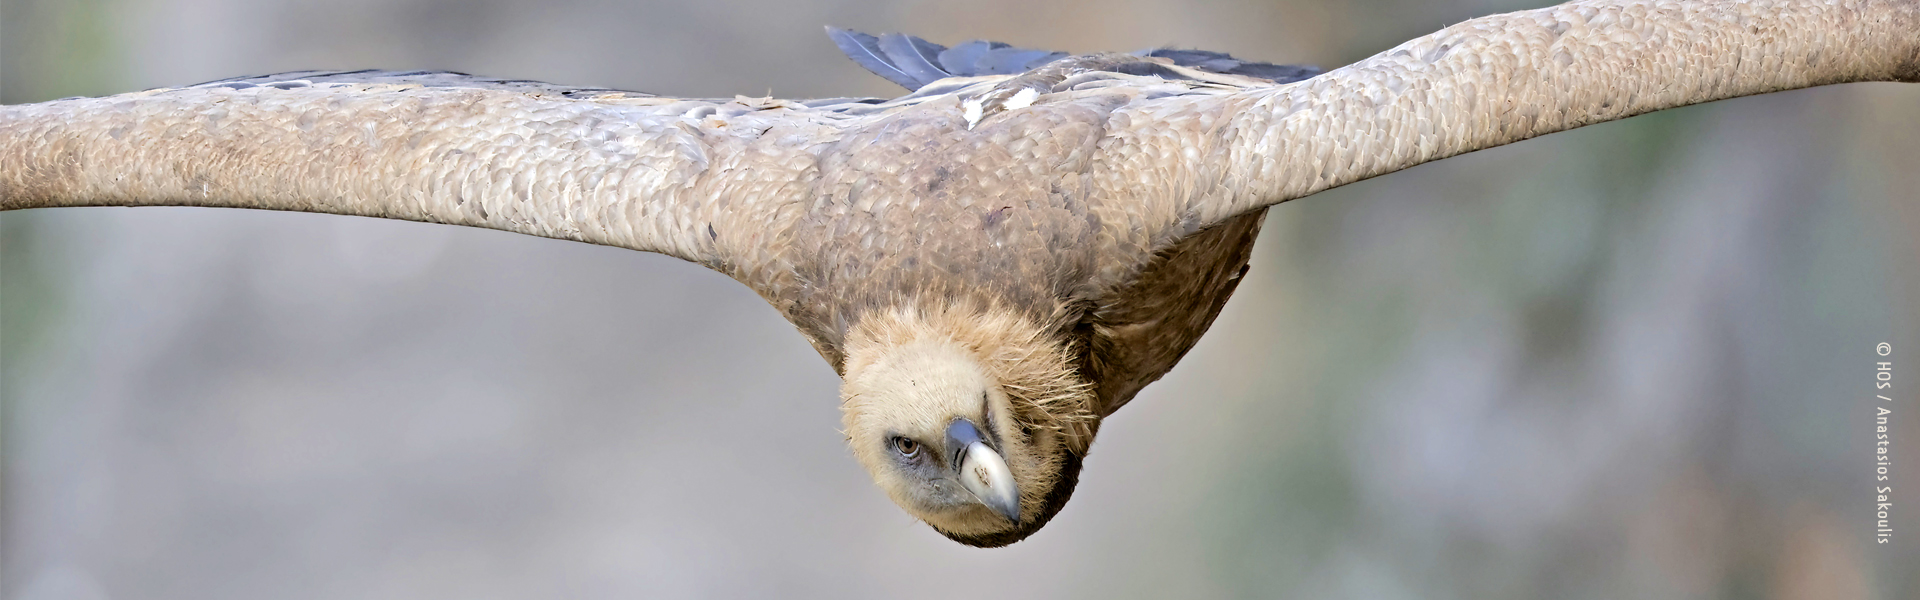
(1632, 360)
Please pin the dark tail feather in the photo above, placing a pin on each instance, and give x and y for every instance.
(960, 60)
(913, 62)
(915, 56)
(865, 50)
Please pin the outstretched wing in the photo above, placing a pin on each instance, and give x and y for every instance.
(1501, 79)
(708, 181)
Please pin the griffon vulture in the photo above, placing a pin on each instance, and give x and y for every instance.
(994, 262)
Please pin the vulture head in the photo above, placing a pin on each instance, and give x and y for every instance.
(974, 424)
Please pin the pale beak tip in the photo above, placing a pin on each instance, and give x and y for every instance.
(983, 471)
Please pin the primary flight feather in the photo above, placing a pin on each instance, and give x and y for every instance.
(994, 262)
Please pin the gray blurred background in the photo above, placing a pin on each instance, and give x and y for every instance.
(1628, 361)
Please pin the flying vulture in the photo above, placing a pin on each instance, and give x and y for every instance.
(994, 262)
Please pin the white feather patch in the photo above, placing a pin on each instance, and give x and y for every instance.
(1024, 98)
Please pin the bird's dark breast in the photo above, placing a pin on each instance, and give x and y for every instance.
(1138, 332)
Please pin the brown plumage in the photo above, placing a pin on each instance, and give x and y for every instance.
(992, 271)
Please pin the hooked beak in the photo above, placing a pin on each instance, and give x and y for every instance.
(982, 471)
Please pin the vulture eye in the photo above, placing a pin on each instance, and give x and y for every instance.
(906, 447)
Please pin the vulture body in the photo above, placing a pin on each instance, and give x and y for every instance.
(994, 262)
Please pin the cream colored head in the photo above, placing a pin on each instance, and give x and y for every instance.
(973, 423)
